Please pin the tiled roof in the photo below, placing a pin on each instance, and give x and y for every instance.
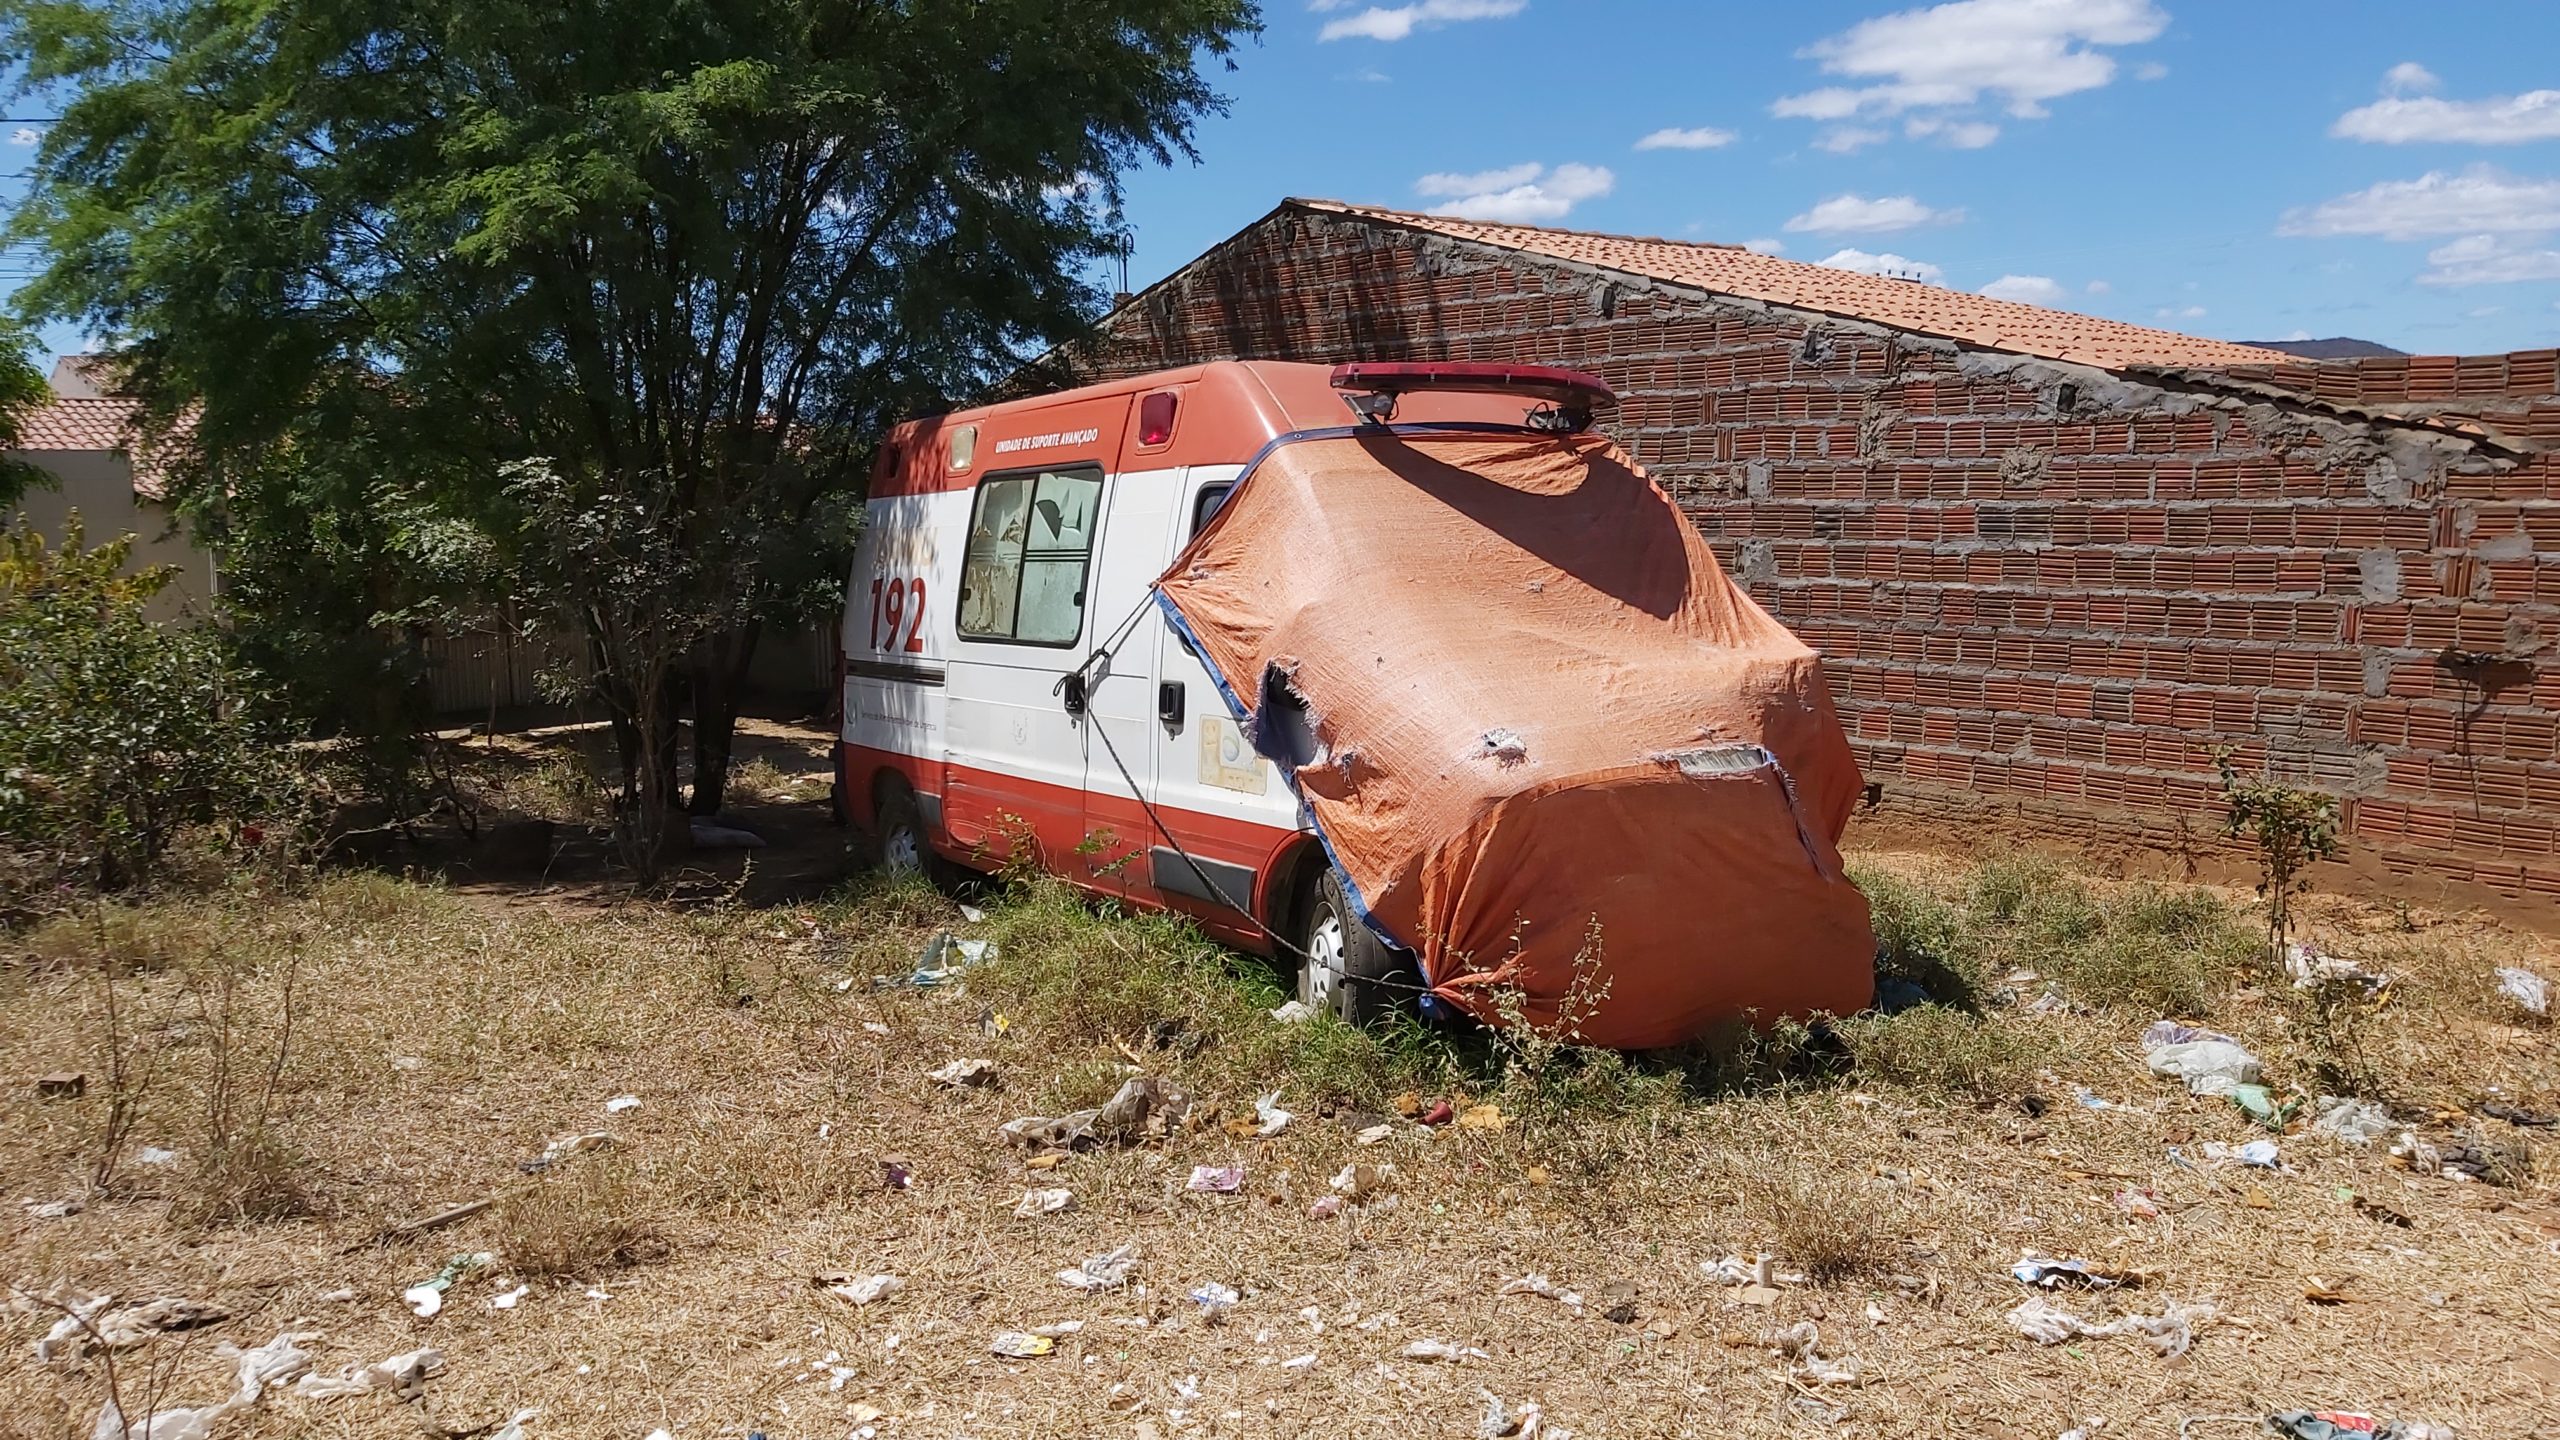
(67, 423)
(1901, 304)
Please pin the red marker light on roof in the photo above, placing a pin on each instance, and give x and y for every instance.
(1155, 418)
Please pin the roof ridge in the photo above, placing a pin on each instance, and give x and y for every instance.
(2013, 326)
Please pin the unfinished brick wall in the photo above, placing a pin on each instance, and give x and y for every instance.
(2043, 590)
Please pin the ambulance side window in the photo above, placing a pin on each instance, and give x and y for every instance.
(1030, 542)
(1213, 498)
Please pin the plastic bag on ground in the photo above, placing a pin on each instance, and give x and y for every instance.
(404, 1375)
(1106, 1271)
(2169, 1332)
(2311, 966)
(2527, 989)
(2209, 1067)
(2357, 1122)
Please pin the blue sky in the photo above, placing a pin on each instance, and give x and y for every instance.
(2241, 170)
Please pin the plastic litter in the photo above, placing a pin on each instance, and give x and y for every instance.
(404, 1375)
(510, 1299)
(861, 1290)
(1443, 1352)
(562, 1148)
(98, 1322)
(1106, 1271)
(1215, 1179)
(1044, 1202)
(1500, 1421)
(1143, 1108)
(2310, 966)
(2348, 1425)
(2169, 1332)
(973, 914)
(2046, 1273)
(621, 1104)
(2210, 1065)
(1214, 1298)
(2089, 1100)
(513, 1429)
(1438, 1115)
(2527, 989)
(895, 1174)
(945, 956)
(2139, 1204)
(1540, 1285)
(2259, 1153)
(427, 1296)
(54, 1209)
(2357, 1122)
(1293, 1012)
(960, 1073)
(1016, 1345)
(1324, 1207)
(273, 1363)
(1272, 1119)
(1356, 1183)
(2260, 1104)
(1801, 1343)
(1374, 1135)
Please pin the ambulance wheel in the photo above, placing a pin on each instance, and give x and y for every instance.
(898, 842)
(1343, 966)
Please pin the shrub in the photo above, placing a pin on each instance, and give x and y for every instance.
(1934, 1048)
(1922, 938)
(117, 734)
(2163, 950)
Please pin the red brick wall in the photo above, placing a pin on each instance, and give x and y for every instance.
(2042, 591)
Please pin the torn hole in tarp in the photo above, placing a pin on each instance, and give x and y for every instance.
(1503, 746)
(1284, 727)
(1705, 762)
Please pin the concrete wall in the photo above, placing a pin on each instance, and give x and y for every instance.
(2046, 593)
(99, 484)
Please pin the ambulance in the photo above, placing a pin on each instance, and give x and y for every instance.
(1399, 674)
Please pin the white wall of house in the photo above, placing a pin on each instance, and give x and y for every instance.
(99, 484)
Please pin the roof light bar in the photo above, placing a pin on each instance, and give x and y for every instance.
(1566, 397)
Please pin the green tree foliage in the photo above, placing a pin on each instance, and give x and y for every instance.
(117, 734)
(22, 389)
(686, 259)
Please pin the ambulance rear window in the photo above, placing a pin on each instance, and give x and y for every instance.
(1030, 541)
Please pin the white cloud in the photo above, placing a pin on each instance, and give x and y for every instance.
(1519, 194)
(1854, 214)
(1952, 57)
(1766, 245)
(2490, 260)
(1888, 263)
(1394, 22)
(2498, 120)
(2481, 200)
(1446, 183)
(1956, 134)
(2028, 289)
(2483, 312)
(1848, 139)
(2098, 287)
(2150, 70)
(2408, 78)
(2295, 335)
(1704, 137)
(2182, 312)
(25, 135)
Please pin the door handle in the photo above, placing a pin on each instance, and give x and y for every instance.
(1169, 704)
(1071, 689)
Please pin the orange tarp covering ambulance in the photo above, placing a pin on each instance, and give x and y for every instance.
(1555, 761)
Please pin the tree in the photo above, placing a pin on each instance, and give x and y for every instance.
(673, 263)
(22, 389)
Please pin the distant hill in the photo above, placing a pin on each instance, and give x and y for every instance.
(2336, 347)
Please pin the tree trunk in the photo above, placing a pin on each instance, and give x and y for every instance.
(719, 684)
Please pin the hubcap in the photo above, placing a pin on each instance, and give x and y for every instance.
(1320, 975)
(900, 852)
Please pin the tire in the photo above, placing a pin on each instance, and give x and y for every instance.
(1343, 967)
(899, 845)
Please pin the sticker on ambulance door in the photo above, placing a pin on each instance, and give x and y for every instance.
(1227, 762)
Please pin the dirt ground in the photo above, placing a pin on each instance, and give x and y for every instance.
(446, 1027)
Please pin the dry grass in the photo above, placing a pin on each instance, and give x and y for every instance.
(446, 1037)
